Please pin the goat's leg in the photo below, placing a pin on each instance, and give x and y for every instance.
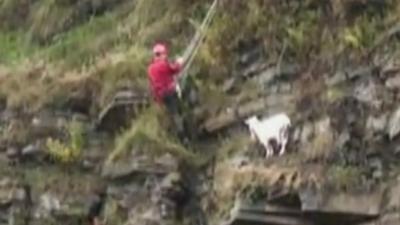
(253, 136)
(283, 147)
(268, 150)
(283, 139)
(283, 142)
(271, 150)
(265, 149)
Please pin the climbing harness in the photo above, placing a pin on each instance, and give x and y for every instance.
(193, 48)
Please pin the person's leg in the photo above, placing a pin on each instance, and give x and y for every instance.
(184, 109)
(172, 104)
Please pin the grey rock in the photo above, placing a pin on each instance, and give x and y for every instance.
(254, 68)
(20, 208)
(13, 152)
(88, 165)
(365, 203)
(93, 156)
(307, 132)
(123, 168)
(377, 174)
(7, 115)
(377, 166)
(130, 195)
(171, 180)
(273, 89)
(151, 216)
(288, 70)
(285, 87)
(251, 56)
(239, 161)
(393, 82)
(377, 124)
(127, 95)
(367, 92)
(273, 104)
(266, 76)
(4, 182)
(324, 125)
(31, 150)
(48, 204)
(393, 127)
(45, 121)
(343, 138)
(296, 134)
(310, 199)
(337, 78)
(121, 109)
(168, 162)
(119, 170)
(391, 218)
(6, 191)
(139, 164)
(271, 74)
(363, 71)
(46, 125)
(228, 85)
(393, 195)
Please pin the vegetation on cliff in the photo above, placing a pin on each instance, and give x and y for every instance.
(74, 55)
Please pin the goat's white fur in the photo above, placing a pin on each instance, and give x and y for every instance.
(275, 127)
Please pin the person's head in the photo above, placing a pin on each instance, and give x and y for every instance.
(160, 51)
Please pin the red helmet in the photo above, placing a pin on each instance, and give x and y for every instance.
(160, 49)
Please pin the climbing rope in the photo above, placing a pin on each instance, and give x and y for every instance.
(193, 48)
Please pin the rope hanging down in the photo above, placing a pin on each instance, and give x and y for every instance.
(194, 46)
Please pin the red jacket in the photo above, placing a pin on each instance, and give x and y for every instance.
(161, 77)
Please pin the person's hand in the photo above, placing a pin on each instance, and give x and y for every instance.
(179, 60)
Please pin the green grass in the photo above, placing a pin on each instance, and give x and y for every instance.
(234, 145)
(81, 44)
(131, 34)
(129, 69)
(115, 49)
(344, 177)
(15, 47)
(148, 135)
(71, 151)
(48, 18)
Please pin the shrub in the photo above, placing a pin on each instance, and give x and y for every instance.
(71, 151)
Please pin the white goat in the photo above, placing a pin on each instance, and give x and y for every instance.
(270, 130)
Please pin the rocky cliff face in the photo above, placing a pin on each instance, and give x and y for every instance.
(79, 136)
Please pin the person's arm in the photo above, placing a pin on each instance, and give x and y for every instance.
(180, 61)
(177, 65)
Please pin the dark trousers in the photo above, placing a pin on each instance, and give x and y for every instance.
(172, 103)
(176, 115)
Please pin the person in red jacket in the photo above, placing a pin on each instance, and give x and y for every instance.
(162, 78)
(162, 74)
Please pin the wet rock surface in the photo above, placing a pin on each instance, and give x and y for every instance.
(124, 106)
(310, 211)
(355, 132)
(348, 132)
(152, 191)
(394, 124)
(330, 65)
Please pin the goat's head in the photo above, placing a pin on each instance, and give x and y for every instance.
(251, 121)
